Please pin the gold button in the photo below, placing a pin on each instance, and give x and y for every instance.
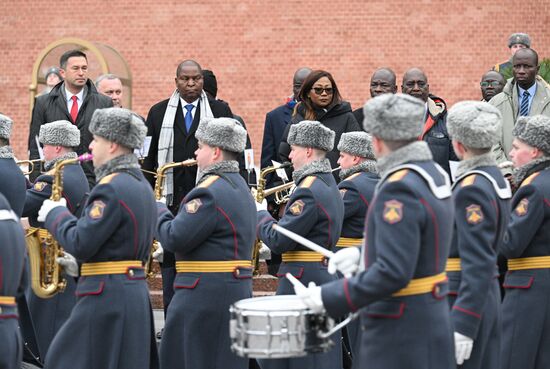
(237, 272)
(131, 272)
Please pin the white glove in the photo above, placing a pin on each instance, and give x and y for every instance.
(345, 261)
(310, 295)
(158, 254)
(47, 206)
(261, 205)
(265, 252)
(463, 348)
(162, 200)
(69, 264)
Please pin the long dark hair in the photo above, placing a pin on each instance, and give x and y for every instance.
(313, 77)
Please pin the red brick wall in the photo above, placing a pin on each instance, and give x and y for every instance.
(254, 46)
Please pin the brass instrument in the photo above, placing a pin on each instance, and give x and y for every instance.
(43, 249)
(30, 165)
(159, 184)
(260, 193)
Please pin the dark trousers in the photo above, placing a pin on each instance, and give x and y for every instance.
(168, 271)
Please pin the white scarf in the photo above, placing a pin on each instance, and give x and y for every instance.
(166, 139)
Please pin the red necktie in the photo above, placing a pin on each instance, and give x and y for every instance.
(74, 109)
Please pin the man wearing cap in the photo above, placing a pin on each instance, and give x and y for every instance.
(525, 309)
(111, 324)
(524, 95)
(13, 184)
(315, 211)
(52, 77)
(212, 237)
(482, 200)
(382, 81)
(59, 139)
(401, 285)
(12, 255)
(516, 41)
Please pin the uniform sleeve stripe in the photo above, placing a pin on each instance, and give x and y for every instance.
(466, 311)
(348, 297)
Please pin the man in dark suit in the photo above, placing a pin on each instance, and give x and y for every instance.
(172, 133)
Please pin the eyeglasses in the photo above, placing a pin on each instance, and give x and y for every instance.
(319, 90)
(486, 84)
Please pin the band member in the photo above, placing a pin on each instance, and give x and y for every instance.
(12, 261)
(359, 179)
(525, 309)
(482, 200)
(111, 324)
(315, 210)
(212, 237)
(402, 285)
(59, 139)
(13, 183)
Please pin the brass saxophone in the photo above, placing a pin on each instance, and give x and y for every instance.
(159, 184)
(43, 249)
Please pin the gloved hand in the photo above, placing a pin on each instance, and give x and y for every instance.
(69, 264)
(265, 252)
(47, 206)
(310, 295)
(261, 205)
(162, 200)
(158, 254)
(346, 261)
(463, 348)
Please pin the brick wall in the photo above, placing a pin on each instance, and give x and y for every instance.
(254, 46)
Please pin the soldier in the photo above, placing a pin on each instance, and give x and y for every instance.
(212, 237)
(402, 285)
(12, 257)
(359, 178)
(315, 210)
(13, 183)
(111, 324)
(481, 196)
(59, 139)
(525, 309)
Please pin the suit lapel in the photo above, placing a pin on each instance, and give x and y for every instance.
(61, 101)
(179, 120)
(540, 100)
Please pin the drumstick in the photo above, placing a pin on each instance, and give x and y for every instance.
(295, 282)
(303, 241)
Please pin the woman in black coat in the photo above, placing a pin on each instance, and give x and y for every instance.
(320, 100)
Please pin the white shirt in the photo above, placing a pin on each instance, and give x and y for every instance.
(532, 91)
(79, 99)
(194, 103)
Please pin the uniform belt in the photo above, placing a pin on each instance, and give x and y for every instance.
(303, 256)
(535, 262)
(348, 242)
(453, 265)
(419, 286)
(109, 267)
(211, 266)
(7, 300)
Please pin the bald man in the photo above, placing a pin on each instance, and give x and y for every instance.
(382, 81)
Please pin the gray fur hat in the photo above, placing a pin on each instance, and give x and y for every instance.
(534, 131)
(119, 125)
(60, 132)
(357, 143)
(476, 124)
(519, 38)
(394, 117)
(5, 126)
(311, 133)
(226, 133)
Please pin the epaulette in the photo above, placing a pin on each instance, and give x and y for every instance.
(108, 179)
(468, 181)
(208, 181)
(529, 179)
(399, 175)
(352, 176)
(306, 183)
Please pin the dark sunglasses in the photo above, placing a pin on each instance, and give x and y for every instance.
(319, 90)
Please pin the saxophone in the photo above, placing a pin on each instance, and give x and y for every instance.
(43, 249)
(159, 184)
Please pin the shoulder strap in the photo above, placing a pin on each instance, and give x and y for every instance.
(441, 192)
(503, 193)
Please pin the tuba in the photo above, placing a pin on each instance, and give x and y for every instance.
(159, 184)
(43, 249)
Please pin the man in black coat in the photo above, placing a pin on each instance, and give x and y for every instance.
(189, 98)
(75, 99)
(381, 82)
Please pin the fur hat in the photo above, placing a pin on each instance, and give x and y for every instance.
(476, 124)
(394, 117)
(5, 126)
(60, 132)
(311, 133)
(519, 38)
(534, 131)
(226, 133)
(357, 143)
(119, 125)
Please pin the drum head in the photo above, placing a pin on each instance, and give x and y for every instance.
(272, 303)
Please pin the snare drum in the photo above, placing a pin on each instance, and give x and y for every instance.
(277, 327)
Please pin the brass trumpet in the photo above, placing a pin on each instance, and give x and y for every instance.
(30, 165)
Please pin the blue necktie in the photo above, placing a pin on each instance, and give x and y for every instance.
(189, 117)
(524, 107)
